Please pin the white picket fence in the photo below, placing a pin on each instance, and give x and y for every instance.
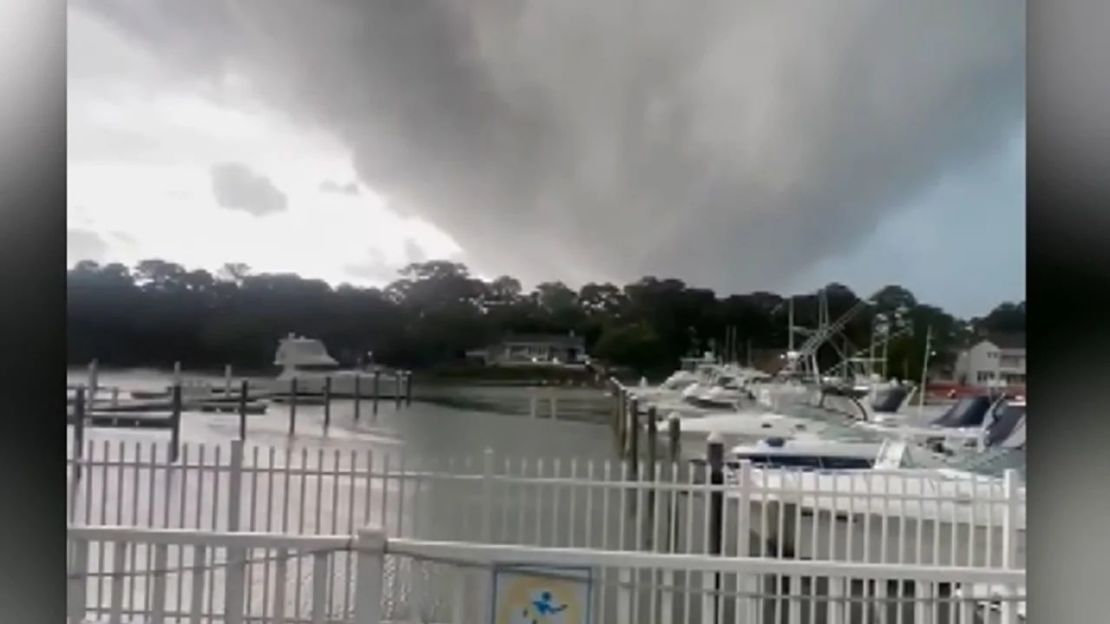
(214, 582)
(873, 518)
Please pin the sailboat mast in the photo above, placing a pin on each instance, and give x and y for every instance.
(925, 366)
(790, 325)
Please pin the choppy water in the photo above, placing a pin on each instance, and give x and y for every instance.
(443, 420)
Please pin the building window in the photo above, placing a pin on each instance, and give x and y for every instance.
(983, 376)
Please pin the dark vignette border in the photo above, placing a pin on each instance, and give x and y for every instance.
(32, 338)
(1069, 288)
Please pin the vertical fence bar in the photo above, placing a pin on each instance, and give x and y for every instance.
(280, 580)
(119, 569)
(715, 454)
(747, 582)
(408, 388)
(319, 587)
(78, 580)
(158, 597)
(227, 380)
(235, 577)
(370, 545)
(1009, 542)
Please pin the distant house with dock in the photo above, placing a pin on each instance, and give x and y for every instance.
(533, 350)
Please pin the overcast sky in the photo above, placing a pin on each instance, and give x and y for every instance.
(737, 145)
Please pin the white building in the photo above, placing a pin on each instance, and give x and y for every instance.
(534, 349)
(995, 360)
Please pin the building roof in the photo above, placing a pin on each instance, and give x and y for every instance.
(1009, 341)
(564, 340)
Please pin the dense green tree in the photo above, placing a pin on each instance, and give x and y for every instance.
(158, 312)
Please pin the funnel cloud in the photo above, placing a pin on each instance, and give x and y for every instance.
(733, 144)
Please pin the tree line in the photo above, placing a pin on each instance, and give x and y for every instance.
(158, 312)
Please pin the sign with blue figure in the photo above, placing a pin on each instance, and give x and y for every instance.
(541, 595)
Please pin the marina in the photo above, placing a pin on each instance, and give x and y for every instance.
(430, 477)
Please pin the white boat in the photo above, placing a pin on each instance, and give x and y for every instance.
(947, 496)
(744, 426)
(307, 361)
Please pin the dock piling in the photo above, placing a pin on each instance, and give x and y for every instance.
(244, 388)
(634, 440)
(377, 388)
(94, 381)
(358, 395)
(293, 406)
(175, 418)
(327, 401)
(78, 431)
(397, 391)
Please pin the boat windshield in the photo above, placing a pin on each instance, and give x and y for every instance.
(888, 400)
(1006, 418)
(967, 412)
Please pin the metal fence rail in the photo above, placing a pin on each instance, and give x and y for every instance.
(872, 517)
(666, 507)
(219, 579)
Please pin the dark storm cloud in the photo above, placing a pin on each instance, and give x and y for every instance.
(236, 187)
(85, 245)
(731, 143)
(331, 186)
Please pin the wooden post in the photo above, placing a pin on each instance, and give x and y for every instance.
(377, 388)
(408, 388)
(94, 382)
(78, 431)
(175, 421)
(227, 380)
(358, 395)
(293, 406)
(634, 442)
(397, 390)
(327, 401)
(243, 389)
(177, 373)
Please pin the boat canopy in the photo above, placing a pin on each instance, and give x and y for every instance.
(296, 351)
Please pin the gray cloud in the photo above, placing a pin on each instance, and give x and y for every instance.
(731, 143)
(331, 186)
(237, 187)
(84, 245)
(374, 268)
